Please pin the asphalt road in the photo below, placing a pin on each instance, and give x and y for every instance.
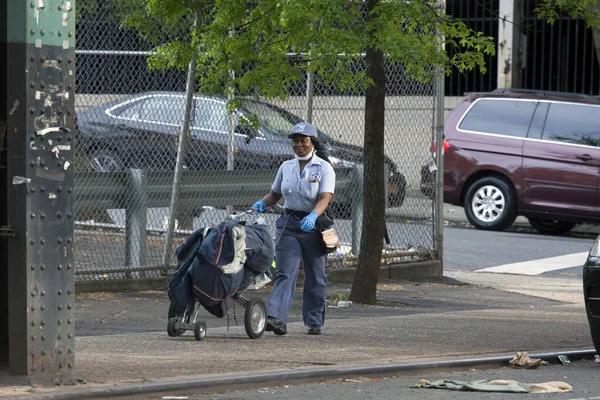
(471, 249)
(581, 375)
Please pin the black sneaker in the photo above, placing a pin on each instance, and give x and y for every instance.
(314, 330)
(275, 325)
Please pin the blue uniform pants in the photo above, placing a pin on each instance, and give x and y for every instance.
(293, 245)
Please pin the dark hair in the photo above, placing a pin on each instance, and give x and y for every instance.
(320, 149)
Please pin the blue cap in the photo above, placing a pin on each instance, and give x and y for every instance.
(303, 128)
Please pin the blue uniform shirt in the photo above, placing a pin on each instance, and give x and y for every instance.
(300, 192)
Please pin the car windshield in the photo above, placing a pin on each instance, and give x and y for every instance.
(277, 120)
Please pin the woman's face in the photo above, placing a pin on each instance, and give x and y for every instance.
(302, 145)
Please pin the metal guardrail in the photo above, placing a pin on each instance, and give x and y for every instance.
(106, 190)
(137, 190)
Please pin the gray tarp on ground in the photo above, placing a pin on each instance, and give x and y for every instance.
(507, 386)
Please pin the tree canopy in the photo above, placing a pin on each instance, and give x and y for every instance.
(269, 43)
(589, 10)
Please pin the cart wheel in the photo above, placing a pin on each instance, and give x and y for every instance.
(172, 312)
(199, 330)
(177, 315)
(171, 327)
(255, 318)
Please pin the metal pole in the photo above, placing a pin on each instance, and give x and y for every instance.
(37, 313)
(357, 208)
(310, 84)
(231, 144)
(183, 134)
(439, 152)
(310, 88)
(505, 52)
(136, 223)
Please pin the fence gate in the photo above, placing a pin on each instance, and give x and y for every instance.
(36, 164)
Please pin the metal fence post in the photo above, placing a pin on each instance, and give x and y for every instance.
(231, 139)
(135, 222)
(310, 84)
(439, 152)
(310, 89)
(183, 135)
(357, 208)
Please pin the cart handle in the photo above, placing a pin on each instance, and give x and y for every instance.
(250, 211)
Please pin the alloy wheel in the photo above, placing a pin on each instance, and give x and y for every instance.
(488, 203)
(105, 162)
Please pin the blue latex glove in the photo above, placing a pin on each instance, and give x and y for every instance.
(308, 222)
(260, 206)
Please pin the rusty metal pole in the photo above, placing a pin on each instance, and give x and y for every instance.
(505, 51)
(39, 94)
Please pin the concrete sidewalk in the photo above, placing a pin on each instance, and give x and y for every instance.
(122, 340)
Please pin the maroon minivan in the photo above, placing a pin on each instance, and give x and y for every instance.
(519, 152)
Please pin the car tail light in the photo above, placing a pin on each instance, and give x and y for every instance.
(446, 147)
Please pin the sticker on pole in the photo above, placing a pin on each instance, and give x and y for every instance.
(432, 166)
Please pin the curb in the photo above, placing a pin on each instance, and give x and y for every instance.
(122, 285)
(293, 376)
(409, 271)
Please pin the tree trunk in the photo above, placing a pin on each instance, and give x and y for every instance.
(364, 287)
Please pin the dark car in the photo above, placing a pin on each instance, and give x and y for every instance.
(519, 152)
(591, 291)
(141, 131)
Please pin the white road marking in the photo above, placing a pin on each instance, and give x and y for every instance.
(539, 266)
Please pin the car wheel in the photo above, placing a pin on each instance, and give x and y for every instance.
(105, 160)
(490, 204)
(595, 332)
(550, 226)
(397, 191)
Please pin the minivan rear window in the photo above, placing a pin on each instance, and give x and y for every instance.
(573, 123)
(500, 117)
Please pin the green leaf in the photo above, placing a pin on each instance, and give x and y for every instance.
(254, 40)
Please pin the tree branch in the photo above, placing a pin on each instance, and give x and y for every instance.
(282, 39)
(269, 11)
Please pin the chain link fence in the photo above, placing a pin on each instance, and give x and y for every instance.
(128, 124)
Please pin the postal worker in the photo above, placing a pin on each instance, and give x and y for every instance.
(306, 184)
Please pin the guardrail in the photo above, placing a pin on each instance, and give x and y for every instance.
(137, 190)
